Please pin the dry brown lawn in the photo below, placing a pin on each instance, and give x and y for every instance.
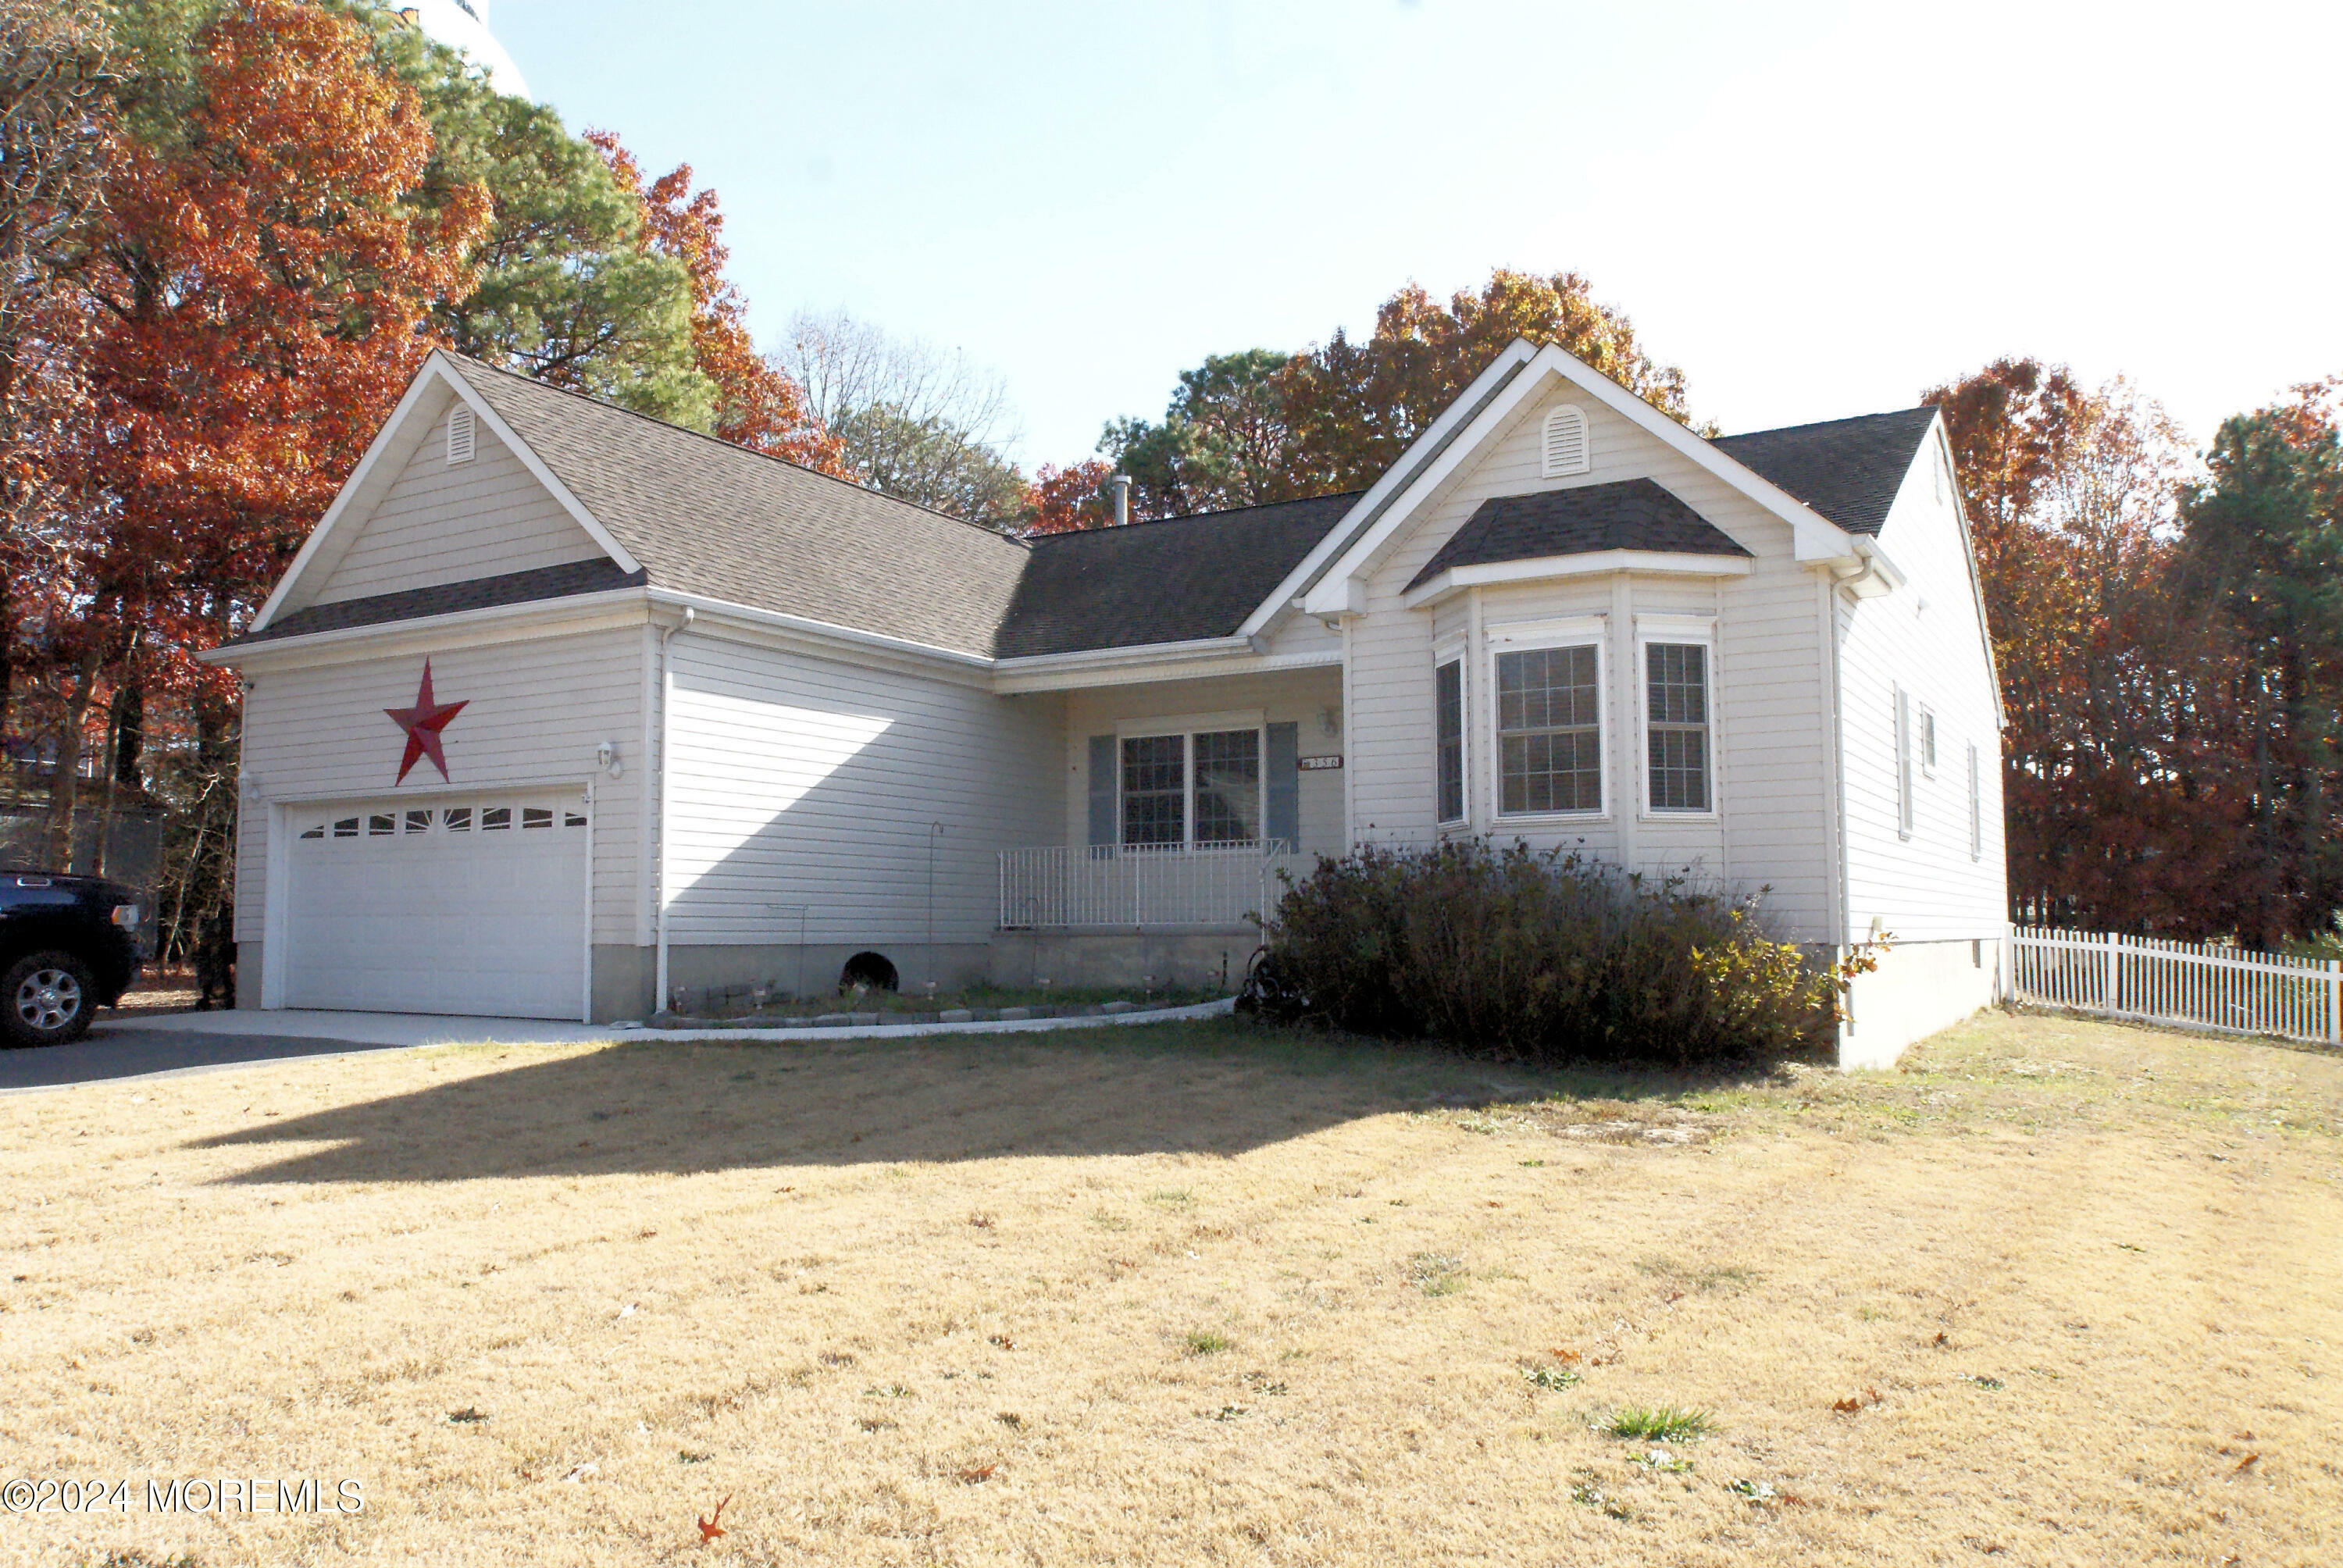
(2055, 1293)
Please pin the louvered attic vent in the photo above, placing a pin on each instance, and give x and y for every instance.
(1565, 442)
(459, 435)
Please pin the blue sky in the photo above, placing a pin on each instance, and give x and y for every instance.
(1816, 209)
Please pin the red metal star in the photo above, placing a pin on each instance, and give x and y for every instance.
(423, 722)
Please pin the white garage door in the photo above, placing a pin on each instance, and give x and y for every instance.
(473, 906)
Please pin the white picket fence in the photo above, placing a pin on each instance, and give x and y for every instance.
(2194, 984)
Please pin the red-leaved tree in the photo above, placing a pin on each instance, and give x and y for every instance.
(1063, 500)
(2123, 796)
(254, 294)
(756, 406)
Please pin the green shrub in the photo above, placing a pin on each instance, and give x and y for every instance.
(1544, 956)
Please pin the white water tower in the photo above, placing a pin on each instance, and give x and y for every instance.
(464, 25)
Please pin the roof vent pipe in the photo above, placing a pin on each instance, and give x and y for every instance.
(1120, 485)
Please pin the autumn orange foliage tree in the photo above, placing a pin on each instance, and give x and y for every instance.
(756, 406)
(2170, 650)
(1260, 426)
(282, 206)
(58, 75)
(1355, 406)
(1062, 500)
(254, 298)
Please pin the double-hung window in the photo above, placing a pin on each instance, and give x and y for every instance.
(1550, 730)
(1448, 736)
(1676, 727)
(1202, 788)
(1228, 786)
(1154, 790)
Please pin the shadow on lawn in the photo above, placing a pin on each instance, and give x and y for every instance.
(682, 1107)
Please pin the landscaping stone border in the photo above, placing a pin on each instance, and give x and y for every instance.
(1001, 1020)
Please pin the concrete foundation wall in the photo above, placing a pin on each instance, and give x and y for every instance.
(1211, 958)
(248, 961)
(808, 971)
(622, 982)
(1918, 988)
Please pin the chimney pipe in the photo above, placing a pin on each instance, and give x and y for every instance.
(1120, 485)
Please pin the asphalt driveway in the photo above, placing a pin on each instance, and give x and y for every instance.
(144, 1044)
(130, 1051)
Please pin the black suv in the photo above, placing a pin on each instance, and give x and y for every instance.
(68, 946)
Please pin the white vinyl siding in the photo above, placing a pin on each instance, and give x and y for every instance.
(1943, 879)
(443, 522)
(1774, 819)
(1310, 699)
(808, 794)
(535, 712)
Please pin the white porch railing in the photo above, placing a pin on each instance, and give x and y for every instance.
(2194, 984)
(1122, 886)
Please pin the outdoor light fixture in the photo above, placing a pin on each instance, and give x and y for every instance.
(606, 758)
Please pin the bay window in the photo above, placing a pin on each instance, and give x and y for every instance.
(1550, 730)
(1448, 737)
(1675, 726)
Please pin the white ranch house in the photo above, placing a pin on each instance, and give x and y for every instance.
(727, 721)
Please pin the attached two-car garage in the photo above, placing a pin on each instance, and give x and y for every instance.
(472, 904)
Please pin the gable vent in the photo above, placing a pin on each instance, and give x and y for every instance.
(1565, 441)
(459, 435)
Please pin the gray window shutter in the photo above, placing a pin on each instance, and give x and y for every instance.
(1102, 782)
(1284, 803)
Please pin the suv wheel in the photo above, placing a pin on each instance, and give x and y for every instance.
(47, 1000)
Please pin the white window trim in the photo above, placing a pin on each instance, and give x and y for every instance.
(1189, 723)
(1921, 739)
(1454, 650)
(1187, 727)
(1527, 637)
(1677, 631)
(1976, 807)
(1906, 815)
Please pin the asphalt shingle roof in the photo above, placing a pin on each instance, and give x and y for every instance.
(1847, 470)
(1625, 515)
(1174, 580)
(705, 516)
(448, 598)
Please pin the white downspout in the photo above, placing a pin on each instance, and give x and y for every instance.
(666, 796)
(1837, 583)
